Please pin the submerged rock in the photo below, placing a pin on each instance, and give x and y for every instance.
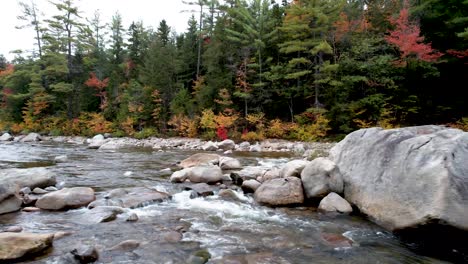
(280, 192)
(85, 254)
(201, 189)
(200, 159)
(320, 177)
(66, 198)
(131, 197)
(103, 214)
(335, 203)
(408, 177)
(31, 137)
(17, 245)
(127, 245)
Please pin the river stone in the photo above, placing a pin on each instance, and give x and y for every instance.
(102, 214)
(206, 174)
(134, 197)
(14, 229)
(38, 190)
(251, 172)
(200, 159)
(31, 137)
(32, 178)
(6, 137)
(96, 142)
(228, 195)
(408, 177)
(133, 217)
(127, 245)
(280, 192)
(272, 173)
(244, 146)
(210, 146)
(201, 189)
(85, 254)
(228, 163)
(10, 204)
(250, 186)
(335, 203)
(66, 198)
(18, 245)
(227, 144)
(25, 190)
(255, 148)
(61, 158)
(320, 177)
(293, 168)
(180, 176)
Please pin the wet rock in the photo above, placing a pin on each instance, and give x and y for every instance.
(250, 186)
(280, 192)
(85, 254)
(272, 173)
(200, 159)
(127, 245)
(31, 137)
(61, 234)
(320, 177)
(30, 199)
(66, 198)
(18, 245)
(244, 146)
(180, 176)
(201, 256)
(31, 209)
(61, 158)
(255, 148)
(14, 229)
(293, 168)
(228, 163)
(10, 204)
(25, 190)
(133, 217)
(96, 142)
(227, 152)
(228, 195)
(51, 189)
(32, 178)
(336, 240)
(172, 237)
(251, 172)
(119, 143)
(206, 174)
(210, 146)
(236, 179)
(335, 203)
(102, 214)
(132, 197)
(201, 189)
(407, 177)
(298, 148)
(226, 178)
(38, 190)
(6, 137)
(227, 144)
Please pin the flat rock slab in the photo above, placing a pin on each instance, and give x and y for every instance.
(200, 159)
(131, 197)
(280, 192)
(17, 245)
(66, 198)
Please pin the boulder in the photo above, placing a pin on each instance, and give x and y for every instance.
(131, 197)
(133, 217)
(103, 214)
(10, 204)
(85, 254)
(320, 177)
(66, 198)
(227, 144)
(228, 195)
(61, 158)
(250, 186)
(272, 173)
(32, 178)
(6, 137)
(200, 159)
(335, 203)
(408, 177)
(293, 168)
(255, 148)
(280, 192)
(17, 245)
(251, 172)
(206, 174)
(244, 146)
(201, 189)
(228, 163)
(38, 190)
(31, 137)
(96, 142)
(210, 146)
(180, 176)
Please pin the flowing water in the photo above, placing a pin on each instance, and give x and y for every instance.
(231, 231)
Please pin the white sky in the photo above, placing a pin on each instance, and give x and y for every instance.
(151, 12)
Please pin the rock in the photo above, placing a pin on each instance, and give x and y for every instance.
(66, 198)
(172, 237)
(255, 148)
(61, 158)
(133, 217)
(132, 197)
(320, 177)
(96, 142)
(30, 199)
(31, 137)
(10, 204)
(14, 229)
(206, 174)
(227, 152)
(228, 163)
(200, 159)
(228, 195)
(119, 143)
(61, 234)
(293, 168)
(166, 171)
(251, 172)
(102, 214)
(180, 176)
(336, 240)
(335, 203)
(210, 146)
(298, 148)
(31, 209)
(127, 245)
(408, 177)
(85, 254)
(244, 145)
(18, 245)
(280, 192)
(250, 186)
(6, 137)
(272, 173)
(236, 179)
(51, 189)
(201, 189)
(38, 190)
(25, 190)
(32, 178)
(227, 144)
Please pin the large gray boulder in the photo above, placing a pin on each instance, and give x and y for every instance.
(280, 192)
(31, 137)
(408, 177)
(227, 144)
(6, 137)
(200, 159)
(228, 163)
(320, 177)
(66, 198)
(18, 245)
(335, 203)
(293, 168)
(206, 174)
(131, 197)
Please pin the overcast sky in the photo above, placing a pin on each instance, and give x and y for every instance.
(151, 12)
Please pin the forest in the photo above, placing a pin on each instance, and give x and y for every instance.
(243, 69)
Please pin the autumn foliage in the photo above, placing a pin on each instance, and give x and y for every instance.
(100, 86)
(407, 38)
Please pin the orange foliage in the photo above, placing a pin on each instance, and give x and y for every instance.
(100, 86)
(7, 71)
(184, 126)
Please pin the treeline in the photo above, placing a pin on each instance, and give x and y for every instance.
(243, 69)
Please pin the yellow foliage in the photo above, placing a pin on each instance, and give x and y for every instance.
(252, 136)
(387, 119)
(17, 128)
(312, 132)
(98, 124)
(207, 120)
(461, 124)
(127, 126)
(279, 129)
(226, 121)
(184, 126)
(257, 120)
